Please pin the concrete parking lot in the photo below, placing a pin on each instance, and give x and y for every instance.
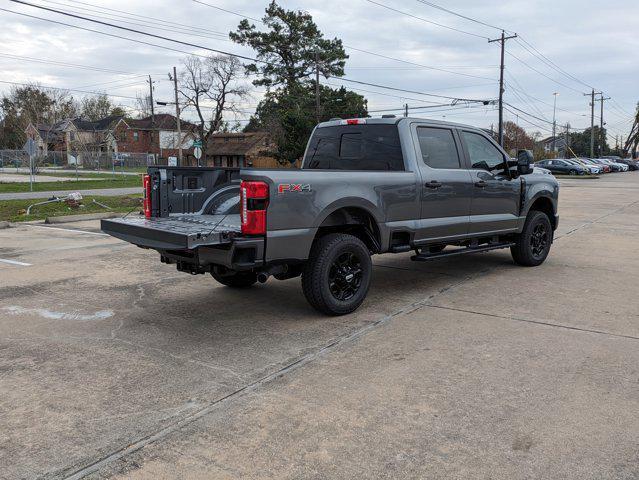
(113, 365)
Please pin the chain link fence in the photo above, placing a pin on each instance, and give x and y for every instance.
(87, 161)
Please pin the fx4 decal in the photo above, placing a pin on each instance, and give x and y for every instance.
(293, 187)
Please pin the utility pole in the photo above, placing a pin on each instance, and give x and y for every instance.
(317, 87)
(406, 110)
(554, 123)
(151, 101)
(177, 117)
(502, 40)
(567, 140)
(602, 136)
(592, 121)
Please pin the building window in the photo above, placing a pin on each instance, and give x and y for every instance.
(136, 136)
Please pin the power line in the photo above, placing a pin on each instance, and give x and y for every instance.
(422, 19)
(201, 47)
(228, 11)
(64, 64)
(539, 72)
(350, 47)
(67, 89)
(133, 30)
(416, 64)
(113, 35)
(534, 52)
(147, 18)
(140, 23)
(430, 4)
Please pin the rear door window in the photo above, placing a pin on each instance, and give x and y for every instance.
(355, 147)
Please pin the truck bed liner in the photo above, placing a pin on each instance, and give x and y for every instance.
(175, 232)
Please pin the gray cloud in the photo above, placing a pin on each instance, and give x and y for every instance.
(594, 41)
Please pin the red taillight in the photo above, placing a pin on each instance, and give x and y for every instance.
(146, 184)
(253, 203)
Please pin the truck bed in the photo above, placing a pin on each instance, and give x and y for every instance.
(176, 232)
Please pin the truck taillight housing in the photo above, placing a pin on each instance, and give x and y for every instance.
(146, 184)
(253, 204)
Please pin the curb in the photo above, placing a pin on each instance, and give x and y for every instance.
(4, 225)
(81, 217)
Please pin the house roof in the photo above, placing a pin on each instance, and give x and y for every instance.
(105, 123)
(49, 133)
(234, 143)
(163, 121)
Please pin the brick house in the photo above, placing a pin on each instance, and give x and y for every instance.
(250, 149)
(154, 135)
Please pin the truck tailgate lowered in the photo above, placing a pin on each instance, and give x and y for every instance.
(175, 232)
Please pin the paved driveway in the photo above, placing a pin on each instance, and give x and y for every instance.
(113, 365)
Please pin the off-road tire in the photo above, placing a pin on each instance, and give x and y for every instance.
(527, 251)
(319, 282)
(236, 279)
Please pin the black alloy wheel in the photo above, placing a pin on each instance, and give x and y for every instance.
(345, 276)
(539, 240)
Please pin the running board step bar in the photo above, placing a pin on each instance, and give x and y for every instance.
(424, 257)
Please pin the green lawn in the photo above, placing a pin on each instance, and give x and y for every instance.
(119, 181)
(14, 210)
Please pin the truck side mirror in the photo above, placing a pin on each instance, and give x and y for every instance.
(524, 162)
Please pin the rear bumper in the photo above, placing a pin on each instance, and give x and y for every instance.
(194, 244)
(240, 254)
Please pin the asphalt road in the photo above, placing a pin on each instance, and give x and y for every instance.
(113, 365)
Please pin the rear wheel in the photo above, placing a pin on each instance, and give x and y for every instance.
(533, 244)
(235, 279)
(337, 275)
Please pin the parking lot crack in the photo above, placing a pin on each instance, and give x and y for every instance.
(536, 322)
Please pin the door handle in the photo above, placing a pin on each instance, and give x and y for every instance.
(433, 184)
(480, 184)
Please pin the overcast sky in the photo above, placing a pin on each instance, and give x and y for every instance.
(596, 42)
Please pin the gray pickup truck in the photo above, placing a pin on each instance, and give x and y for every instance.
(366, 186)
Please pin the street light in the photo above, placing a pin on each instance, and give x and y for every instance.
(554, 122)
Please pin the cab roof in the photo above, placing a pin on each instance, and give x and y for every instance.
(391, 121)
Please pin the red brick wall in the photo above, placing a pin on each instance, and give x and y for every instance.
(147, 142)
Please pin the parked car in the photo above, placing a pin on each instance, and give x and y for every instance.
(590, 169)
(632, 164)
(366, 186)
(595, 161)
(559, 165)
(595, 168)
(616, 167)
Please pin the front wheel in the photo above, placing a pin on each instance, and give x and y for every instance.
(533, 245)
(337, 275)
(573, 172)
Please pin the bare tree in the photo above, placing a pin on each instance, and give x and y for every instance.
(143, 104)
(211, 83)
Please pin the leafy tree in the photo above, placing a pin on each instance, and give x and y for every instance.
(580, 142)
(289, 115)
(32, 104)
(290, 49)
(516, 138)
(97, 107)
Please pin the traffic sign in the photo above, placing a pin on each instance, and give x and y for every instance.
(30, 147)
(197, 143)
(197, 152)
